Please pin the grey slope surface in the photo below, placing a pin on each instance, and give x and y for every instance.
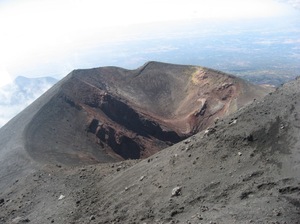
(244, 170)
(14, 159)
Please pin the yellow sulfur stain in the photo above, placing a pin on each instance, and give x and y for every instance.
(198, 75)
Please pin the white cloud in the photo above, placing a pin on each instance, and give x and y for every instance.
(294, 3)
(292, 41)
(5, 77)
(14, 97)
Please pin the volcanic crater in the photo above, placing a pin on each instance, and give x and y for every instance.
(111, 114)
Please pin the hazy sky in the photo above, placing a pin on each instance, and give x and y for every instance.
(38, 33)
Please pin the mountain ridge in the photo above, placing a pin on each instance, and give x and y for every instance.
(243, 169)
